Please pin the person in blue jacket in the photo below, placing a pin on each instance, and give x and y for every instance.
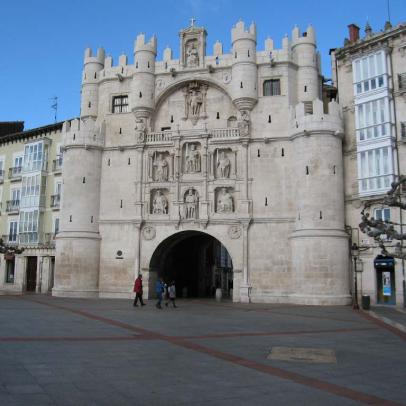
(159, 288)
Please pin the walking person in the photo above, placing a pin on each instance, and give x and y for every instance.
(171, 294)
(159, 288)
(138, 291)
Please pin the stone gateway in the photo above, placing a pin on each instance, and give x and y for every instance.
(215, 171)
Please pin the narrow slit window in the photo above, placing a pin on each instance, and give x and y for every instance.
(91, 219)
(334, 169)
(119, 131)
(269, 119)
(129, 161)
(70, 218)
(121, 204)
(266, 201)
(321, 215)
(140, 95)
(241, 86)
(171, 119)
(84, 180)
(108, 162)
(283, 152)
(218, 115)
(259, 153)
(307, 170)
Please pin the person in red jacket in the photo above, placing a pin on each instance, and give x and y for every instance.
(138, 291)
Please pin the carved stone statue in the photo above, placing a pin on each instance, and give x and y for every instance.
(244, 123)
(140, 129)
(160, 204)
(224, 202)
(161, 168)
(195, 101)
(223, 165)
(192, 56)
(192, 159)
(190, 204)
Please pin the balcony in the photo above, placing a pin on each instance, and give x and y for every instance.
(14, 173)
(12, 206)
(10, 239)
(56, 201)
(1, 176)
(57, 164)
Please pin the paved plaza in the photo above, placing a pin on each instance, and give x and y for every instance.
(56, 351)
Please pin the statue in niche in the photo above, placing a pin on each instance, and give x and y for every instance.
(223, 165)
(192, 56)
(195, 101)
(244, 123)
(224, 201)
(141, 129)
(160, 203)
(192, 159)
(161, 168)
(190, 204)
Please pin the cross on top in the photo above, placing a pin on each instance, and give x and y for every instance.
(192, 21)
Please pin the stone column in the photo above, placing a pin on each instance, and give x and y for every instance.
(245, 287)
(20, 276)
(38, 287)
(138, 181)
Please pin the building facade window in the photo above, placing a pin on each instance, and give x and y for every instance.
(369, 73)
(382, 214)
(34, 157)
(28, 227)
(272, 87)
(375, 169)
(10, 270)
(12, 231)
(31, 191)
(120, 104)
(372, 119)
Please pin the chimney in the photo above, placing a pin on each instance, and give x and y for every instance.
(353, 31)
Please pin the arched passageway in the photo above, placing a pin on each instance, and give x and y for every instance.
(197, 262)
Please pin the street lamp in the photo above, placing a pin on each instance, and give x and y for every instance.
(358, 267)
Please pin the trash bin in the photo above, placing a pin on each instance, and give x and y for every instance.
(366, 302)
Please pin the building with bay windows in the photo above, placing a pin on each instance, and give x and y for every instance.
(370, 73)
(30, 191)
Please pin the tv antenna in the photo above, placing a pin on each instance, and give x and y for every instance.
(388, 6)
(54, 106)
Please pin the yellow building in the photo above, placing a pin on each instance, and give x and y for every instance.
(30, 192)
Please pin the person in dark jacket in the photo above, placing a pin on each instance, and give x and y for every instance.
(138, 291)
(159, 288)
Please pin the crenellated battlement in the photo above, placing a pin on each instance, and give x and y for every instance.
(238, 32)
(98, 58)
(315, 116)
(141, 45)
(84, 133)
(308, 37)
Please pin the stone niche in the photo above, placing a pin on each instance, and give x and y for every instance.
(193, 46)
(190, 204)
(159, 202)
(224, 163)
(160, 166)
(192, 158)
(224, 200)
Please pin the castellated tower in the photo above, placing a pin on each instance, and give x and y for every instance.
(319, 243)
(244, 69)
(78, 243)
(306, 57)
(143, 82)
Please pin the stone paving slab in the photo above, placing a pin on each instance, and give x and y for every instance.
(111, 353)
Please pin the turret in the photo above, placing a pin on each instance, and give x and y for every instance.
(90, 88)
(143, 82)
(78, 243)
(244, 69)
(319, 242)
(305, 56)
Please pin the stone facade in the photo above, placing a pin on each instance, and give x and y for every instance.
(236, 146)
(370, 74)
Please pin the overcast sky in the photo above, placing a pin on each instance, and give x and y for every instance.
(42, 41)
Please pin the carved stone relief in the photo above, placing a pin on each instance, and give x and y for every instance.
(148, 233)
(191, 200)
(223, 164)
(160, 168)
(140, 129)
(192, 53)
(195, 102)
(192, 161)
(224, 200)
(234, 232)
(159, 202)
(244, 123)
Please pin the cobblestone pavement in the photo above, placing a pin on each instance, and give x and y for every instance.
(56, 351)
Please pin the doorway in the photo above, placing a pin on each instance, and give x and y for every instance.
(31, 274)
(196, 261)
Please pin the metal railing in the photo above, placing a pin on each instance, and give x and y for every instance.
(12, 206)
(15, 172)
(55, 200)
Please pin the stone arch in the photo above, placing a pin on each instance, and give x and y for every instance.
(203, 274)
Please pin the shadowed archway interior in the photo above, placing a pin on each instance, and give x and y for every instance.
(197, 262)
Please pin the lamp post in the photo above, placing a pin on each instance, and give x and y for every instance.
(355, 253)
